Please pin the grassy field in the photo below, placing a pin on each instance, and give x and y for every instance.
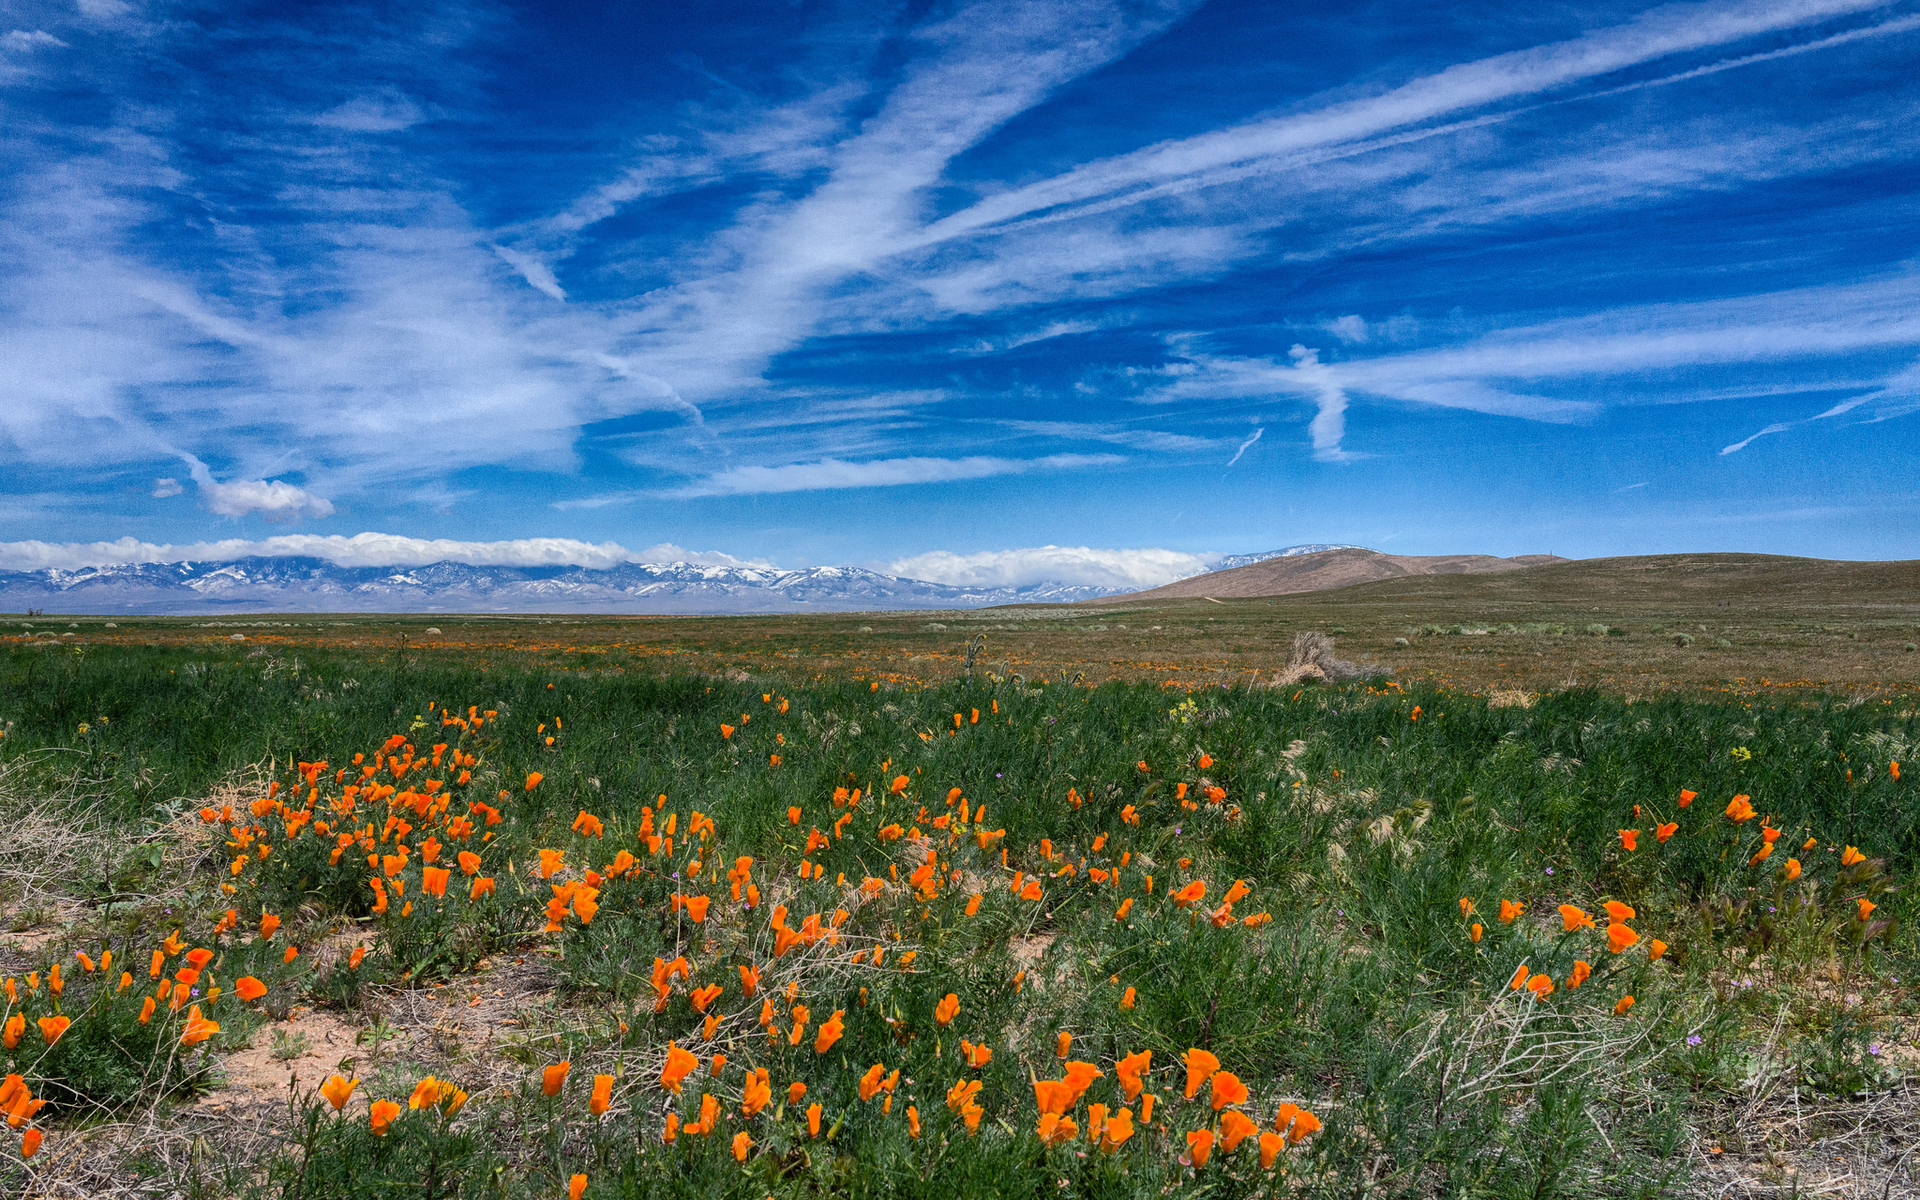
(1691, 624)
(1208, 940)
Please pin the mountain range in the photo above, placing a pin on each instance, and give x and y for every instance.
(307, 584)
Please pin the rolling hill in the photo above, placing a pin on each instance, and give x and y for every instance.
(1324, 569)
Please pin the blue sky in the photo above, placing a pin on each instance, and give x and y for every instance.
(937, 286)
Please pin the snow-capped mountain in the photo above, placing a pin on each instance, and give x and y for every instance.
(317, 585)
(1241, 560)
(284, 584)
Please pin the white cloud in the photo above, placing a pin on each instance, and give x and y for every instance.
(1350, 328)
(534, 271)
(887, 472)
(1145, 174)
(1054, 564)
(386, 111)
(32, 39)
(1246, 445)
(360, 550)
(273, 499)
(163, 488)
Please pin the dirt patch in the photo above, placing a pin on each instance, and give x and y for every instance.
(304, 1049)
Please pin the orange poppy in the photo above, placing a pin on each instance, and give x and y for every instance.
(553, 1078)
(52, 1027)
(1666, 830)
(249, 989)
(1575, 918)
(1740, 809)
(1200, 1067)
(336, 1090)
(576, 1187)
(1199, 1146)
(1625, 1003)
(1619, 937)
(1629, 839)
(1227, 1090)
(944, 1011)
(1509, 910)
(382, 1115)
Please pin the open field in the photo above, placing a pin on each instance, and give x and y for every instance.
(1279, 928)
(1700, 624)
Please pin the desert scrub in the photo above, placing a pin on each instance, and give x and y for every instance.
(1281, 931)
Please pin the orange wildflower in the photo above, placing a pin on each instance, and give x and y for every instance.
(553, 1078)
(1199, 1146)
(1625, 1003)
(337, 1089)
(1509, 910)
(944, 1011)
(1226, 1090)
(1574, 918)
(1629, 839)
(680, 1064)
(382, 1116)
(1664, 831)
(249, 989)
(1200, 1067)
(1619, 937)
(1740, 809)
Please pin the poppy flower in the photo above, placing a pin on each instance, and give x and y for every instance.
(469, 861)
(1625, 1003)
(1866, 910)
(146, 1012)
(1235, 1127)
(553, 1078)
(1190, 893)
(1792, 869)
(977, 1055)
(1226, 1090)
(1200, 1067)
(1629, 839)
(533, 780)
(52, 1027)
(1199, 1146)
(1617, 911)
(1126, 906)
(1270, 1144)
(1128, 999)
(433, 881)
(1740, 809)
(899, 784)
(870, 1082)
(382, 1115)
(944, 1011)
(1575, 918)
(1519, 979)
(30, 1143)
(1760, 854)
(576, 1187)
(756, 1094)
(680, 1064)
(1509, 910)
(1850, 856)
(1655, 948)
(813, 1119)
(1619, 937)
(249, 989)
(15, 1026)
(829, 1033)
(336, 1090)
(1664, 831)
(1466, 906)
(1686, 797)
(1540, 986)
(1062, 1043)
(1129, 1069)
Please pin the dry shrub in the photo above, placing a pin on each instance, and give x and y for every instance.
(1312, 658)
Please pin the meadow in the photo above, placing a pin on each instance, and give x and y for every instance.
(341, 906)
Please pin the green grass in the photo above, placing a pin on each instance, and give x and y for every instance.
(1357, 828)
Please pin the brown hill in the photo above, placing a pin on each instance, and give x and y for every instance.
(1328, 569)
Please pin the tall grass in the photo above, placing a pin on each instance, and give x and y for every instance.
(1359, 819)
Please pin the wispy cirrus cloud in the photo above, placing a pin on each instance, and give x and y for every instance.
(833, 473)
(359, 550)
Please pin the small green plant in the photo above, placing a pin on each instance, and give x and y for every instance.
(289, 1045)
